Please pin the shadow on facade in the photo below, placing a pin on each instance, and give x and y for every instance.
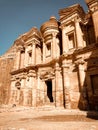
(89, 91)
(92, 115)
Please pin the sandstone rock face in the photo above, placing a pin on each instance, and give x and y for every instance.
(56, 66)
(6, 66)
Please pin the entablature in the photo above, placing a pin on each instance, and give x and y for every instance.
(46, 73)
(67, 14)
(32, 41)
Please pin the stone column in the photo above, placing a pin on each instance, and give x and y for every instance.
(66, 86)
(26, 57)
(44, 53)
(54, 50)
(58, 87)
(34, 91)
(18, 56)
(58, 47)
(32, 76)
(38, 89)
(23, 81)
(18, 96)
(22, 60)
(22, 89)
(81, 75)
(28, 90)
(34, 53)
(79, 34)
(93, 8)
(65, 46)
(84, 102)
(95, 21)
(12, 91)
(25, 97)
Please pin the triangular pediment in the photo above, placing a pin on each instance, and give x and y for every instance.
(34, 31)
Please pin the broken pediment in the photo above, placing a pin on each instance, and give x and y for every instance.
(47, 75)
(67, 12)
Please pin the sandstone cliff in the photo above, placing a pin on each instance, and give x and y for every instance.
(6, 65)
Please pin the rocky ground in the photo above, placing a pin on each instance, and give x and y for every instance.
(47, 119)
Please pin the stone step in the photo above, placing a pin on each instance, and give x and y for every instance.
(45, 107)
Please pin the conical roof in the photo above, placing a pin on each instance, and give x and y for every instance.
(51, 23)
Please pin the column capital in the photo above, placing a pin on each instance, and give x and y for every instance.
(43, 40)
(32, 73)
(65, 65)
(33, 42)
(80, 61)
(54, 34)
(57, 67)
(23, 76)
(20, 48)
(13, 78)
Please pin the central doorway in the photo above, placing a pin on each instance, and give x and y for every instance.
(49, 90)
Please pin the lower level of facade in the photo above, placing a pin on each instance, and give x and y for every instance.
(68, 82)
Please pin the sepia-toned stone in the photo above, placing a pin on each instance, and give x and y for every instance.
(56, 66)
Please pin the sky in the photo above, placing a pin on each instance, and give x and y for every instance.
(19, 16)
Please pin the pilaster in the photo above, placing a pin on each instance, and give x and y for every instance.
(54, 49)
(66, 83)
(33, 52)
(33, 86)
(26, 57)
(12, 91)
(18, 57)
(34, 92)
(79, 34)
(58, 86)
(93, 8)
(38, 88)
(44, 54)
(65, 46)
(81, 74)
(83, 101)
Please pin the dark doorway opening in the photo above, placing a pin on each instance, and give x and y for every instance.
(49, 90)
(94, 82)
(94, 98)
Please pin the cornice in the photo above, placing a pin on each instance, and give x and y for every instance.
(33, 40)
(90, 1)
(26, 69)
(76, 52)
(70, 55)
(52, 62)
(19, 42)
(75, 10)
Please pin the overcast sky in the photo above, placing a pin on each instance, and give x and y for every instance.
(18, 16)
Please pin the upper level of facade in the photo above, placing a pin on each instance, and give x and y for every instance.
(73, 31)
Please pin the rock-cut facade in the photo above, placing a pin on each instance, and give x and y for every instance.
(55, 66)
